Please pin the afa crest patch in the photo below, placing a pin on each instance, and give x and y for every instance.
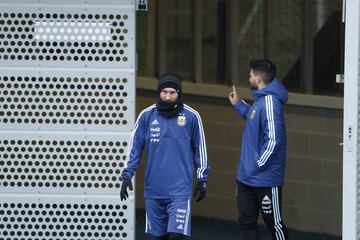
(181, 121)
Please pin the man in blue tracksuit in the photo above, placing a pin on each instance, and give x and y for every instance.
(173, 136)
(261, 169)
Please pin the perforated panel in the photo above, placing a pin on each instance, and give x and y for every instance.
(64, 218)
(61, 163)
(67, 107)
(67, 37)
(44, 100)
(113, 3)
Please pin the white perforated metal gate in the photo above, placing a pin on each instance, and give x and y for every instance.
(67, 106)
(351, 148)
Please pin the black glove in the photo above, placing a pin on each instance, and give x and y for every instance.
(200, 191)
(125, 184)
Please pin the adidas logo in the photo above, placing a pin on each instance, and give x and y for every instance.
(155, 122)
(266, 200)
(180, 227)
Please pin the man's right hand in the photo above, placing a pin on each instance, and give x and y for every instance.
(234, 96)
(125, 184)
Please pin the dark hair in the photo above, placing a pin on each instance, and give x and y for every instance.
(265, 68)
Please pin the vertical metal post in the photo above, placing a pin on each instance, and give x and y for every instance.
(151, 43)
(234, 46)
(162, 36)
(320, 14)
(198, 36)
(269, 26)
(350, 226)
(222, 42)
(308, 46)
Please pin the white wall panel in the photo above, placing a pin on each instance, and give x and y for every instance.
(64, 218)
(67, 108)
(67, 36)
(113, 3)
(67, 100)
(61, 163)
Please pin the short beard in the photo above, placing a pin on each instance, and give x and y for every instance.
(252, 87)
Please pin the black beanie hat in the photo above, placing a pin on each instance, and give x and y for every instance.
(171, 80)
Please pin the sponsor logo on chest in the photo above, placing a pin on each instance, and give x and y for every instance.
(155, 132)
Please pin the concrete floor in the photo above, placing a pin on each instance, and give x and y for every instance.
(207, 228)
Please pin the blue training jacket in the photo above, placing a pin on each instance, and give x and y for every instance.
(175, 147)
(263, 152)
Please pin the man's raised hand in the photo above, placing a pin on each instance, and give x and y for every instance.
(234, 96)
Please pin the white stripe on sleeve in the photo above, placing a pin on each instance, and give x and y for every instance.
(271, 126)
(202, 146)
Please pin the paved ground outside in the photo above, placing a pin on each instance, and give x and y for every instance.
(208, 228)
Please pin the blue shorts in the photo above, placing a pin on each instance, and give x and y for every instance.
(168, 215)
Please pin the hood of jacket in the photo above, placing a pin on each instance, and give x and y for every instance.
(275, 88)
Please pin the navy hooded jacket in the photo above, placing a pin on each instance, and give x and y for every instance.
(263, 152)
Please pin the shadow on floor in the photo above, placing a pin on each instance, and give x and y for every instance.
(209, 228)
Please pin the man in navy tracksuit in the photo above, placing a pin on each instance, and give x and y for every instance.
(261, 168)
(173, 135)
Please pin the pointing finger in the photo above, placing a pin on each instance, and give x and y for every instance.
(234, 89)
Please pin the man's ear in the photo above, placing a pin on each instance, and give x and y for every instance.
(258, 78)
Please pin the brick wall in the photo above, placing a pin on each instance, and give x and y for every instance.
(313, 189)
